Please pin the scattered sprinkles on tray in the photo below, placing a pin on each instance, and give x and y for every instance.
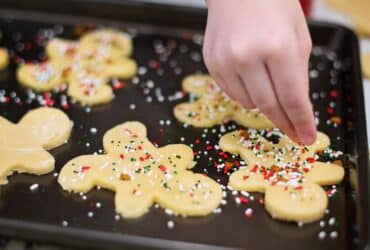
(212, 160)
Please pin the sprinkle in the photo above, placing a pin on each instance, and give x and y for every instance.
(34, 187)
(322, 235)
(64, 223)
(132, 106)
(322, 223)
(332, 221)
(93, 130)
(248, 212)
(85, 168)
(170, 224)
(334, 235)
(243, 200)
(90, 214)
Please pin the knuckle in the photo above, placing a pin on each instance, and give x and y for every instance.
(240, 54)
(276, 47)
(265, 105)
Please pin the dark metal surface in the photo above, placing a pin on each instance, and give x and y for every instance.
(39, 215)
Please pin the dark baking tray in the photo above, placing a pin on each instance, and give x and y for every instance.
(39, 215)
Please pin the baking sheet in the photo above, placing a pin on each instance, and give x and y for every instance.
(50, 214)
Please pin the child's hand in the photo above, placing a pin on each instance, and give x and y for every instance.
(258, 52)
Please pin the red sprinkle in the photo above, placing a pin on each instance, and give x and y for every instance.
(255, 168)
(163, 168)
(118, 85)
(243, 200)
(330, 111)
(85, 168)
(261, 200)
(334, 93)
(310, 160)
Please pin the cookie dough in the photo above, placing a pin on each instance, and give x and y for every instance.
(23, 146)
(62, 50)
(366, 65)
(117, 44)
(42, 76)
(142, 174)
(213, 106)
(86, 66)
(4, 58)
(288, 173)
(89, 89)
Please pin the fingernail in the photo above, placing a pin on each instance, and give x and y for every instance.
(308, 138)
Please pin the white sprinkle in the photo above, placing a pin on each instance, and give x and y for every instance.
(98, 205)
(168, 122)
(88, 109)
(217, 210)
(132, 106)
(300, 224)
(87, 144)
(55, 174)
(116, 217)
(322, 223)
(142, 70)
(168, 211)
(170, 224)
(322, 235)
(135, 80)
(90, 214)
(93, 130)
(332, 221)
(34, 187)
(313, 73)
(64, 223)
(334, 234)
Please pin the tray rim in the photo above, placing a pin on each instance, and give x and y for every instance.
(73, 233)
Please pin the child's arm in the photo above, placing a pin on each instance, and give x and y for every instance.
(258, 52)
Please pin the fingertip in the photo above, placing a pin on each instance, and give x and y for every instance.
(308, 136)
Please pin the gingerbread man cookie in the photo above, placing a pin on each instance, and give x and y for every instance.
(86, 66)
(23, 146)
(142, 174)
(213, 106)
(4, 58)
(288, 173)
(42, 76)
